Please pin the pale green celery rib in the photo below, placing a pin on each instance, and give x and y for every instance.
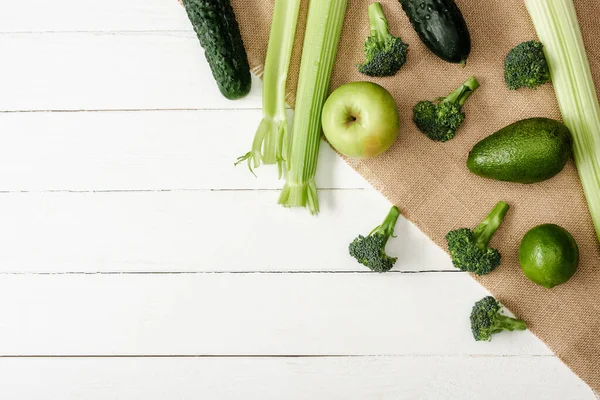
(323, 30)
(272, 131)
(558, 29)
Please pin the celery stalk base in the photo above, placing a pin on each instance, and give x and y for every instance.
(300, 195)
(268, 145)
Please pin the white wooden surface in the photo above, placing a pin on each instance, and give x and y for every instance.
(137, 263)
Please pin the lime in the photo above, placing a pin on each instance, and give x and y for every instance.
(548, 255)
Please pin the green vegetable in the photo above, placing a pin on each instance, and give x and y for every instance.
(385, 53)
(486, 320)
(441, 27)
(370, 250)
(219, 35)
(440, 119)
(323, 31)
(469, 248)
(526, 66)
(548, 255)
(527, 151)
(557, 28)
(272, 132)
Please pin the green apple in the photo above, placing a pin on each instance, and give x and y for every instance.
(360, 119)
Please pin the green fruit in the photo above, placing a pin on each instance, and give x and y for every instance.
(548, 255)
(360, 119)
(528, 151)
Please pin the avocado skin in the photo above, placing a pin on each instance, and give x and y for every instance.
(527, 151)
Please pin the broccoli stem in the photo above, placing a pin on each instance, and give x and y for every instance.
(502, 322)
(462, 93)
(378, 23)
(387, 227)
(485, 230)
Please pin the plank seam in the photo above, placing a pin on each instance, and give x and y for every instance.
(326, 189)
(104, 110)
(252, 356)
(228, 272)
(99, 32)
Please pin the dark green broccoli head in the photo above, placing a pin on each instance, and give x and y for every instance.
(385, 54)
(486, 319)
(468, 256)
(384, 59)
(469, 248)
(370, 250)
(526, 66)
(440, 119)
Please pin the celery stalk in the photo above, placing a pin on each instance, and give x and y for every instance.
(323, 31)
(558, 29)
(272, 131)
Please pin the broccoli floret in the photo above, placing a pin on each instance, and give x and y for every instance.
(370, 250)
(526, 66)
(469, 248)
(440, 119)
(385, 53)
(486, 319)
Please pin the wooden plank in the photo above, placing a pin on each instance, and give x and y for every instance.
(246, 314)
(143, 151)
(89, 71)
(344, 378)
(197, 231)
(90, 15)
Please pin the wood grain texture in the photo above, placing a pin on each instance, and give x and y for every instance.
(247, 314)
(90, 15)
(200, 231)
(361, 378)
(154, 150)
(104, 70)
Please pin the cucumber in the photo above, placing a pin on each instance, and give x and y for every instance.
(219, 35)
(441, 27)
(527, 151)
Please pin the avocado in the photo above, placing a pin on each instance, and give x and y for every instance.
(527, 151)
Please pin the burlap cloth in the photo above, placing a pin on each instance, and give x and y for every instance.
(430, 182)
